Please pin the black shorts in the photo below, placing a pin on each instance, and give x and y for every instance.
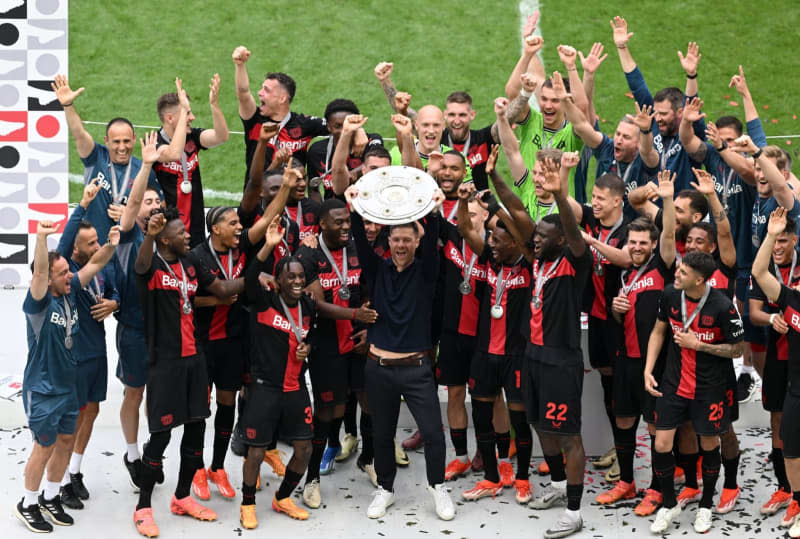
(629, 393)
(490, 374)
(552, 388)
(92, 380)
(356, 377)
(603, 342)
(455, 354)
(773, 384)
(177, 392)
(225, 363)
(268, 408)
(730, 392)
(329, 378)
(710, 416)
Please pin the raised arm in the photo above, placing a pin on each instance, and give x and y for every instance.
(590, 65)
(66, 96)
(340, 175)
(727, 249)
(689, 64)
(41, 259)
(144, 259)
(575, 115)
(641, 200)
(399, 101)
(253, 289)
(644, 121)
(252, 191)
(136, 196)
(569, 56)
(506, 137)
(742, 165)
(780, 187)
(519, 108)
(695, 147)
(405, 141)
(219, 134)
(513, 205)
(67, 242)
(247, 103)
(554, 183)
(531, 45)
(275, 207)
(473, 238)
(740, 83)
(100, 258)
(367, 256)
(666, 190)
(178, 141)
(619, 26)
(760, 270)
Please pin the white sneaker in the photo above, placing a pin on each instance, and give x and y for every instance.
(702, 520)
(441, 500)
(794, 531)
(664, 518)
(381, 501)
(549, 496)
(567, 524)
(349, 444)
(312, 496)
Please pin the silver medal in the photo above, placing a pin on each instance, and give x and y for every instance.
(756, 241)
(187, 308)
(598, 269)
(496, 311)
(68, 342)
(344, 293)
(186, 187)
(537, 303)
(465, 288)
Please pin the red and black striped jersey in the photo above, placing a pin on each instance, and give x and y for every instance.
(320, 160)
(170, 176)
(461, 310)
(308, 220)
(169, 330)
(724, 279)
(288, 245)
(789, 304)
(604, 283)
(502, 335)
(690, 373)
(480, 146)
(220, 321)
(643, 293)
(556, 318)
(778, 344)
(330, 334)
(296, 136)
(273, 344)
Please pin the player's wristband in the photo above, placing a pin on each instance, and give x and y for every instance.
(645, 131)
(772, 318)
(688, 76)
(723, 147)
(524, 93)
(758, 153)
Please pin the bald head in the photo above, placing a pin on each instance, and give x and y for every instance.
(429, 125)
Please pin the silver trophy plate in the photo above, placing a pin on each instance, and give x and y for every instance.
(395, 195)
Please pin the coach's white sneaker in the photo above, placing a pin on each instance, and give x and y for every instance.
(702, 520)
(441, 500)
(664, 518)
(381, 501)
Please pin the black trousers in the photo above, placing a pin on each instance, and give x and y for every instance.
(384, 387)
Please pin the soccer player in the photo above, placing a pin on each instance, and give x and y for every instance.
(177, 381)
(735, 179)
(779, 292)
(701, 326)
(131, 346)
(220, 326)
(112, 162)
(295, 130)
(401, 290)
(498, 347)
(178, 168)
(765, 312)
(667, 104)
(48, 384)
(333, 276)
(561, 266)
(320, 154)
(94, 303)
(374, 157)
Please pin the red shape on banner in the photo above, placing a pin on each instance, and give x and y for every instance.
(48, 126)
(14, 126)
(54, 210)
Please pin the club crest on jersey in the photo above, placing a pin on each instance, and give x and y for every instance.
(166, 419)
(295, 132)
(707, 320)
(251, 434)
(190, 271)
(190, 147)
(352, 260)
(309, 217)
